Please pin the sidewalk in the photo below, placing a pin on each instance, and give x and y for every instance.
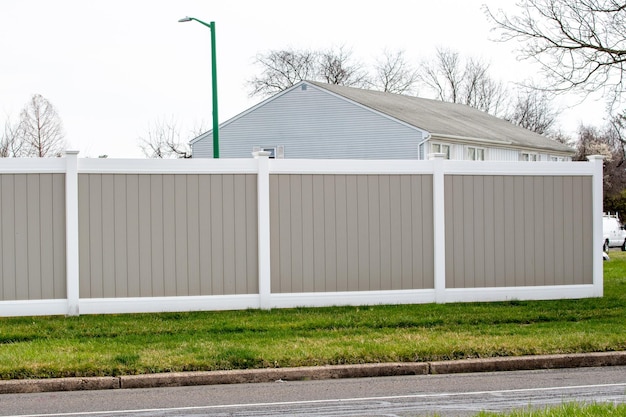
(176, 379)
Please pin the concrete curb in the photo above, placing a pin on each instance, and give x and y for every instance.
(521, 363)
(24, 386)
(272, 374)
(177, 379)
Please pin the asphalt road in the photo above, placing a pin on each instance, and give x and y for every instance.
(447, 395)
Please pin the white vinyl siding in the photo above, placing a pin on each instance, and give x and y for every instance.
(314, 124)
(502, 154)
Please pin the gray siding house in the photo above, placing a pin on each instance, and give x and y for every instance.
(318, 120)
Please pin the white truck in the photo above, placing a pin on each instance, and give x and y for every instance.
(613, 233)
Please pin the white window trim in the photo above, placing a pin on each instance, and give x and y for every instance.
(441, 145)
(476, 151)
(554, 158)
(532, 157)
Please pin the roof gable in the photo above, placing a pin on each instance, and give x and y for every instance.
(300, 84)
(208, 133)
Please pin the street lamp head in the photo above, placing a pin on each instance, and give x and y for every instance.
(189, 19)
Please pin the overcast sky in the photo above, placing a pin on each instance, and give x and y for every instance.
(112, 68)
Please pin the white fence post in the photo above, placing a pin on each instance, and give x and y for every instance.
(597, 195)
(263, 208)
(439, 226)
(71, 232)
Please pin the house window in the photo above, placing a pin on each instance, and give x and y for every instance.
(275, 151)
(557, 159)
(272, 152)
(528, 157)
(440, 148)
(475, 154)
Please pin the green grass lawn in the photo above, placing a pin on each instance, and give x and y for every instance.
(567, 410)
(39, 347)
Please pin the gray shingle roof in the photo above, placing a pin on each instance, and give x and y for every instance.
(444, 119)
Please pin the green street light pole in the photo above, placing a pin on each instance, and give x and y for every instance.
(216, 141)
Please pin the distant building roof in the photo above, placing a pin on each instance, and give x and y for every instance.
(446, 120)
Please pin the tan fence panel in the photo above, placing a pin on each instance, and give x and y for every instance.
(504, 231)
(351, 233)
(152, 235)
(32, 236)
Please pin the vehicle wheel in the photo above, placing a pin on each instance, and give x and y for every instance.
(605, 247)
(624, 246)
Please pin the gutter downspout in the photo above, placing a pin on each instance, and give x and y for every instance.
(428, 137)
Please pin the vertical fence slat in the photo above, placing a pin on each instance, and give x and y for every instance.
(59, 237)
(205, 232)
(439, 222)
(120, 231)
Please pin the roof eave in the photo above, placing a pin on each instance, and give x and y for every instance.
(471, 139)
(568, 151)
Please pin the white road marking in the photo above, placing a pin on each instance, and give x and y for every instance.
(308, 402)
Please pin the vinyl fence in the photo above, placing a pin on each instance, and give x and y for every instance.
(92, 236)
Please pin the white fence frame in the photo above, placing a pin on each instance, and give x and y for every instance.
(261, 165)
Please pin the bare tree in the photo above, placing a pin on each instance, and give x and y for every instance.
(580, 44)
(337, 66)
(456, 80)
(393, 74)
(614, 168)
(198, 128)
(282, 69)
(444, 75)
(10, 142)
(593, 141)
(532, 109)
(480, 90)
(40, 129)
(163, 139)
(5, 146)
(606, 141)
